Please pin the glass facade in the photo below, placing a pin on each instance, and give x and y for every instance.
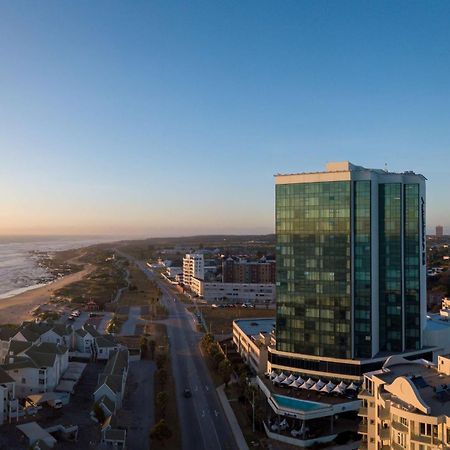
(362, 286)
(412, 266)
(390, 267)
(313, 226)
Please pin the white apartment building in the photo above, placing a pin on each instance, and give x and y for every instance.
(234, 292)
(38, 368)
(193, 267)
(251, 338)
(7, 395)
(406, 405)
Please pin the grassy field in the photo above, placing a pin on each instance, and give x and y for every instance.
(220, 320)
(102, 284)
(158, 333)
(141, 291)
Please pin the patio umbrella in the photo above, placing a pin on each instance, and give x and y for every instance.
(326, 389)
(282, 375)
(291, 378)
(277, 379)
(342, 385)
(331, 385)
(338, 390)
(286, 381)
(295, 384)
(300, 379)
(318, 386)
(272, 375)
(353, 387)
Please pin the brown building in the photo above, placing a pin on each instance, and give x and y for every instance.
(235, 270)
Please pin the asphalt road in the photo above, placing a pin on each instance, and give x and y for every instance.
(204, 425)
(129, 327)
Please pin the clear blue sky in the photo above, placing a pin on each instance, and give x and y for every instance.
(166, 117)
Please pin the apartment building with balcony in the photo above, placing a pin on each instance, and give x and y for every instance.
(406, 405)
(193, 267)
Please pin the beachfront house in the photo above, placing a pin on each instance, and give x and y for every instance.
(36, 368)
(85, 339)
(111, 382)
(7, 396)
(105, 346)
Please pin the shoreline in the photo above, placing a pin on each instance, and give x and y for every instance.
(22, 290)
(18, 308)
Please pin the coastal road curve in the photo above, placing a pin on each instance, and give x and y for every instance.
(204, 425)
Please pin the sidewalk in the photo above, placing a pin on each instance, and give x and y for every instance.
(234, 425)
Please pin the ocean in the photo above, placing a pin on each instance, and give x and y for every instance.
(19, 270)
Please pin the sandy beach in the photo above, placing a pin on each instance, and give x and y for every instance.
(18, 308)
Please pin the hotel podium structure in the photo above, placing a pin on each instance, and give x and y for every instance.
(351, 275)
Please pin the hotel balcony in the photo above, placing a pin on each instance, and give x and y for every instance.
(399, 427)
(421, 438)
(384, 434)
(362, 428)
(363, 412)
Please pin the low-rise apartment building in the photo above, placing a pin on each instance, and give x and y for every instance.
(406, 405)
(234, 292)
(251, 338)
(37, 368)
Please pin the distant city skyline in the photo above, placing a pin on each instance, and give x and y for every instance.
(168, 119)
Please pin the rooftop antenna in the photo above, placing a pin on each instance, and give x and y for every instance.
(385, 167)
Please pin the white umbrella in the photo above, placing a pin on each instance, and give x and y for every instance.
(342, 385)
(305, 386)
(300, 379)
(326, 389)
(331, 385)
(277, 379)
(353, 386)
(282, 376)
(291, 378)
(286, 381)
(295, 384)
(310, 382)
(318, 386)
(338, 390)
(272, 374)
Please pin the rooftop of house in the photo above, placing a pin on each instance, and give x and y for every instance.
(117, 362)
(4, 377)
(105, 341)
(114, 382)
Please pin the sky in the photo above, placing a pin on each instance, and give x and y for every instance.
(160, 118)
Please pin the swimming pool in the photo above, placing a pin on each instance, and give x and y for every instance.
(297, 404)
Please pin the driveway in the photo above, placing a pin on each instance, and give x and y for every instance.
(137, 412)
(129, 327)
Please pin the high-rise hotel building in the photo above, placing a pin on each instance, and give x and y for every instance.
(351, 275)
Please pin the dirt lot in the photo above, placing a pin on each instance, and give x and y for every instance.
(220, 320)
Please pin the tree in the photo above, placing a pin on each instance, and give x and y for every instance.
(161, 375)
(161, 402)
(207, 340)
(151, 348)
(217, 359)
(161, 359)
(160, 431)
(225, 371)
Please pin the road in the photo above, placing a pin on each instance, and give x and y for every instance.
(129, 327)
(204, 425)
